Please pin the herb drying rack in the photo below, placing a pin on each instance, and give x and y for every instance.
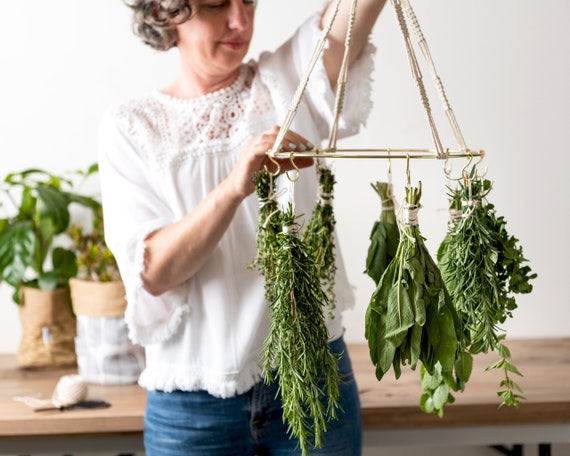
(406, 19)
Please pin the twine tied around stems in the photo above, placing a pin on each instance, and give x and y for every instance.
(469, 207)
(410, 214)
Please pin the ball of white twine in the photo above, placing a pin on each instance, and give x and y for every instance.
(70, 390)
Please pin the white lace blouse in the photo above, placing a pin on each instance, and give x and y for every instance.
(159, 157)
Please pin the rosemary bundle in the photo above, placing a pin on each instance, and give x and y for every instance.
(318, 236)
(411, 318)
(296, 351)
(385, 235)
(483, 267)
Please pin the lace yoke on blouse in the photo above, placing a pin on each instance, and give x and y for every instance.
(171, 130)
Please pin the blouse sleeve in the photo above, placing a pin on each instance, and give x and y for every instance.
(283, 69)
(133, 210)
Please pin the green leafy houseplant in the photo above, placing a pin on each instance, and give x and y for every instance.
(37, 209)
(93, 258)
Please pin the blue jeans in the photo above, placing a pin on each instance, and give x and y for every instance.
(249, 424)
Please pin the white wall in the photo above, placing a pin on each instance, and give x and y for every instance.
(504, 64)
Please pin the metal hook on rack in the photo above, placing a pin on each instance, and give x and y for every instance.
(447, 166)
(481, 176)
(275, 162)
(464, 169)
(296, 168)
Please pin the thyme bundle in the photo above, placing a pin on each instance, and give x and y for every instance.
(483, 267)
(319, 233)
(411, 318)
(268, 227)
(385, 235)
(296, 351)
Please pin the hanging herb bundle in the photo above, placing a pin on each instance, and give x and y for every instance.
(318, 236)
(411, 318)
(269, 226)
(296, 351)
(438, 385)
(385, 235)
(483, 266)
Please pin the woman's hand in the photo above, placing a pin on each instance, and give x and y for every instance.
(255, 157)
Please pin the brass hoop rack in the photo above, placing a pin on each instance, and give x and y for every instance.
(406, 19)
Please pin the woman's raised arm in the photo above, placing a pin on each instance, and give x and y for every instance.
(366, 14)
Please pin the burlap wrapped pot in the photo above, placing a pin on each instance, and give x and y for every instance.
(48, 329)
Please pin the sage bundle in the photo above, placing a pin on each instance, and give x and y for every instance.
(483, 267)
(296, 351)
(318, 236)
(410, 317)
(385, 234)
(438, 385)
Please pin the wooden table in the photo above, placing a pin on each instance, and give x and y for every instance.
(391, 414)
(390, 409)
(23, 431)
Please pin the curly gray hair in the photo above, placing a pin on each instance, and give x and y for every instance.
(153, 20)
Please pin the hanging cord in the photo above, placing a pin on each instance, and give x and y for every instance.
(295, 102)
(417, 75)
(422, 43)
(332, 151)
(342, 78)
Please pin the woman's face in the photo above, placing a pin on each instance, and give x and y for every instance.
(216, 38)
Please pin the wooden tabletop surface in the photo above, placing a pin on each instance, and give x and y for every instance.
(545, 364)
(125, 415)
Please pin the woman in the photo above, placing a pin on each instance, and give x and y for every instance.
(181, 218)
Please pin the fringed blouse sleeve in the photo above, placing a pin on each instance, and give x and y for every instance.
(133, 209)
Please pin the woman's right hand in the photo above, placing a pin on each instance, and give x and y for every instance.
(255, 157)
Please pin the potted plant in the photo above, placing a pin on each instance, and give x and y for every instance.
(36, 214)
(105, 355)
